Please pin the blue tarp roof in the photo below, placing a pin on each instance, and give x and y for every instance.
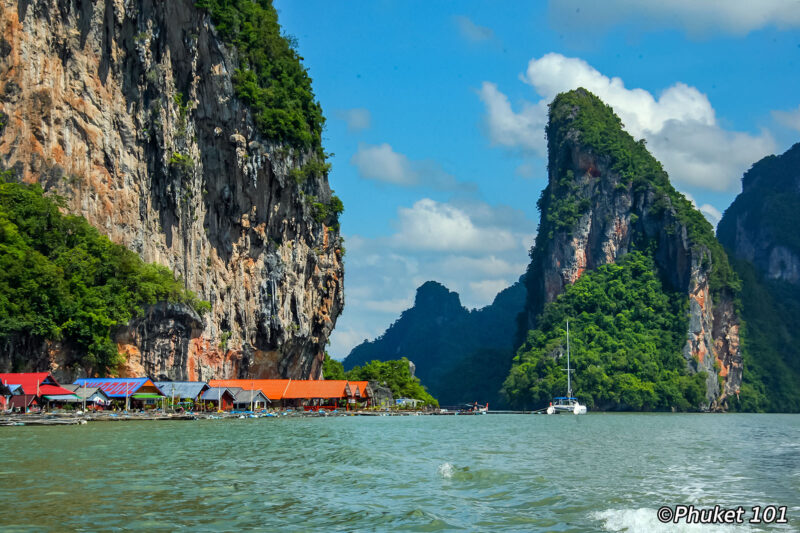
(182, 389)
(565, 398)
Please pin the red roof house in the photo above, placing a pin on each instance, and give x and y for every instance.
(35, 383)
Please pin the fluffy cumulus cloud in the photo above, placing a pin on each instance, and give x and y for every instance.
(697, 17)
(382, 163)
(679, 124)
(471, 31)
(431, 225)
(358, 119)
(473, 248)
(790, 119)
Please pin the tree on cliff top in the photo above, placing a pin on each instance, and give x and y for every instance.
(61, 280)
(271, 79)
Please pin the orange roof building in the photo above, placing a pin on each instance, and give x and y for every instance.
(302, 391)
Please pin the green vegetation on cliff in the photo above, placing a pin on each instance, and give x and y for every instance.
(271, 79)
(332, 369)
(396, 374)
(61, 280)
(771, 351)
(275, 85)
(626, 335)
(599, 129)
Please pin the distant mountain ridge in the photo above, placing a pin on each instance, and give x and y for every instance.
(759, 230)
(460, 355)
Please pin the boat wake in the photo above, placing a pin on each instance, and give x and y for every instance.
(446, 470)
(646, 520)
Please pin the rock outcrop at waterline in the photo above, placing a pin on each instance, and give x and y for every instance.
(603, 201)
(128, 111)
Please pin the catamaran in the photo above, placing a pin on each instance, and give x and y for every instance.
(568, 403)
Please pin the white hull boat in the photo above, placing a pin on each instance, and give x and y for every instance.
(568, 403)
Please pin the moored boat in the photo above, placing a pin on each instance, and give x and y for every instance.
(568, 403)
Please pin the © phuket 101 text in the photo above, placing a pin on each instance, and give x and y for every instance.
(688, 514)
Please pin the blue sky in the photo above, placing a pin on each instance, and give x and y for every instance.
(436, 115)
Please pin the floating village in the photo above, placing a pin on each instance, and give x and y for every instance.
(38, 399)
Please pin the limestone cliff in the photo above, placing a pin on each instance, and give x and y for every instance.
(759, 226)
(600, 203)
(128, 111)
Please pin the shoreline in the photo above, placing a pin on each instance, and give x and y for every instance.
(65, 419)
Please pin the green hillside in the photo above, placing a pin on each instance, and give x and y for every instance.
(61, 280)
(626, 335)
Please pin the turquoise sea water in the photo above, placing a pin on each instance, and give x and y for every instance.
(600, 472)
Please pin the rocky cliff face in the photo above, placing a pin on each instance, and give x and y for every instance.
(597, 207)
(758, 227)
(127, 110)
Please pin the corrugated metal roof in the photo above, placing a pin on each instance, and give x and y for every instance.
(247, 396)
(62, 398)
(117, 387)
(182, 389)
(215, 392)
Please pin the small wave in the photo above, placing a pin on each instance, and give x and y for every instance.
(646, 520)
(446, 470)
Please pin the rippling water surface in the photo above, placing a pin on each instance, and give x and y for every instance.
(600, 472)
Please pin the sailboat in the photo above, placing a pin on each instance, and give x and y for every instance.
(568, 403)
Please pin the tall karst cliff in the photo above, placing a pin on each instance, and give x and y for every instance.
(760, 225)
(130, 111)
(606, 197)
(759, 231)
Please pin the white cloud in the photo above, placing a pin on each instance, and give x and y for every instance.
(431, 225)
(487, 289)
(509, 128)
(471, 31)
(396, 305)
(527, 170)
(790, 119)
(680, 125)
(711, 213)
(697, 17)
(358, 119)
(381, 163)
(490, 265)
